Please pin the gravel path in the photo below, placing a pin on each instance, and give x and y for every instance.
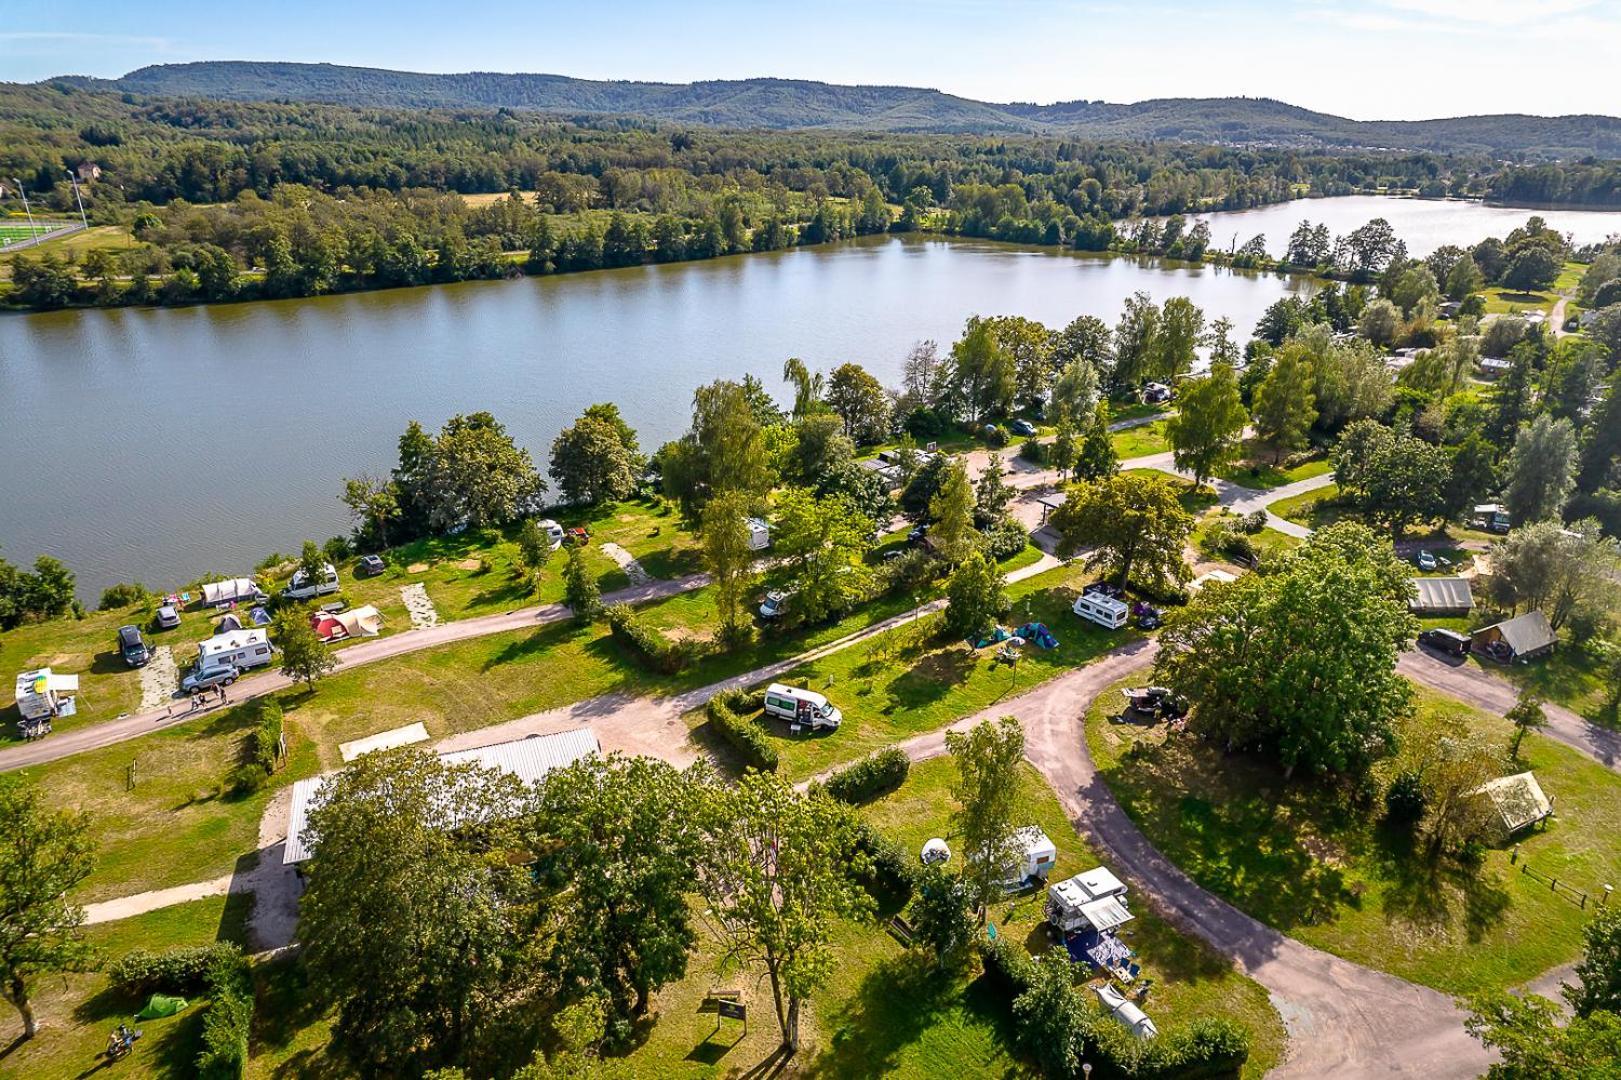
(424, 616)
(634, 570)
(160, 679)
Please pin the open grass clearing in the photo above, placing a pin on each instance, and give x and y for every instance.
(1140, 441)
(1318, 865)
(1255, 470)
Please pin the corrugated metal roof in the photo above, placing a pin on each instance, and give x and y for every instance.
(527, 759)
(1527, 633)
(1442, 594)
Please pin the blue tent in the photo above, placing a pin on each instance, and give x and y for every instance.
(1038, 635)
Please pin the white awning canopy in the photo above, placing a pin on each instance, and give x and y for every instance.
(1106, 914)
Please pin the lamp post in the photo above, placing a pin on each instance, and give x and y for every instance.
(74, 180)
(24, 193)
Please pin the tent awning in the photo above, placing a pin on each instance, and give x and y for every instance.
(1106, 914)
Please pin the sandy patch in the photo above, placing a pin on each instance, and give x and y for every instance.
(634, 570)
(470, 564)
(417, 568)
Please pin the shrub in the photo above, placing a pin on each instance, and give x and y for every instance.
(888, 876)
(996, 436)
(247, 778)
(1033, 450)
(649, 645)
(1405, 801)
(924, 424)
(1252, 523)
(123, 595)
(336, 550)
(267, 736)
(1005, 539)
(229, 1020)
(1008, 966)
(872, 775)
(731, 715)
(913, 570)
(177, 971)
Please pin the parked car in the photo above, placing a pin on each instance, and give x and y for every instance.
(773, 605)
(167, 617)
(918, 534)
(132, 648)
(300, 588)
(801, 707)
(1426, 561)
(370, 566)
(1149, 617)
(1022, 427)
(209, 677)
(554, 532)
(1448, 641)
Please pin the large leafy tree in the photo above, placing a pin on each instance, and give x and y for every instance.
(591, 460)
(777, 867)
(1541, 469)
(985, 373)
(1135, 525)
(1299, 662)
(1181, 329)
(1597, 987)
(45, 854)
(819, 446)
(1534, 1043)
(860, 401)
(1566, 572)
(1397, 479)
(1030, 344)
(987, 757)
(624, 848)
(373, 504)
(1136, 338)
(823, 542)
(975, 597)
(417, 928)
(724, 451)
(729, 558)
(478, 476)
(1095, 457)
(1285, 406)
(952, 512)
(1208, 427)
(305, 657)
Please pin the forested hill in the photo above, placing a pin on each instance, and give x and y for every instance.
(787, 103)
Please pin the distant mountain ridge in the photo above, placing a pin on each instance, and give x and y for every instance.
(797, 103)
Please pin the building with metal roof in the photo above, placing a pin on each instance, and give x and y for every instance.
(1441, 596)
(527, 759)
(1516, 640)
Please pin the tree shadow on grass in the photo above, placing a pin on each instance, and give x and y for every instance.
(1437, 893)
(896, 1004)
(544, 638)
(931, 679)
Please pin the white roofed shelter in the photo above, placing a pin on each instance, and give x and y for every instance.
(527, 759)
(1519, 801)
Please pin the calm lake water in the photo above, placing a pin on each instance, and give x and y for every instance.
(162, 444)
(1425, 224)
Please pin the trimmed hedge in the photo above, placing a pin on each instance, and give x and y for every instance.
(872, 775)
(267, 736)
(182, 972)
(228, 1023)
(650, 645)
(731, 715)
(889, 877)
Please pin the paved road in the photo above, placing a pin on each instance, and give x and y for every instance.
(1471, 684)
(95, 736)
(1344, 1020)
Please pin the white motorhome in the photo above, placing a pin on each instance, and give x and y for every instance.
(43, 694)
(759, 534)
(301, 588)
(1094, 900)
(801, 707)
(1033, 855)
(233, 591)
(1104, 610)
(241, 649)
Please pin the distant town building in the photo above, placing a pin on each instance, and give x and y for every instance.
(88, 171)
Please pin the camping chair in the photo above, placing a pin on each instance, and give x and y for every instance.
(1134, 970)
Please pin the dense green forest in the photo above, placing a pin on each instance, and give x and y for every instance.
(794, 103)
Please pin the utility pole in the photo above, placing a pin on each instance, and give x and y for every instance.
(74, 180)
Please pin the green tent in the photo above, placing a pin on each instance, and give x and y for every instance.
(160, 1005)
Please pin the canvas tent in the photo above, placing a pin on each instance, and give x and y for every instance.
(1516, 640)
(527, 759)
(232, 591)
(1519, 801)
(1441, 596)
(1125, 1012)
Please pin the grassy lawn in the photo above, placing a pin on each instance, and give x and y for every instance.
(1513, 301)
(1269, 543)
(1140, 441)
(1313, 508)
(909, 681)
(1318, 865)
(1256, 471)
(77, 1012)
(1194, 500)
(114, 238)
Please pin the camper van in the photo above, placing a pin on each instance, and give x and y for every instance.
(43, 694)
(759, 534)
(301, 588)
(801, 707)
(241, 649)
(1102, 609)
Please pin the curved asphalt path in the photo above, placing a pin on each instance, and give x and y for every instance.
(1343, 1020)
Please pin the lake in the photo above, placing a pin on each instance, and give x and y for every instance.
(1425, 224)
(160, 444)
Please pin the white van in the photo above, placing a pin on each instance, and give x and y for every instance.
(801, 706)
(1104, 610)
(301, 589)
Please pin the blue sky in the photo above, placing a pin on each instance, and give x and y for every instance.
(1400, 59)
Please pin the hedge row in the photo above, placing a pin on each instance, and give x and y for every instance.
(889, 877)
(1204, 1047)
(264, 750)
(872, 775)
(182, 972)
(650, 644)
(731, 715)
(228, 1022)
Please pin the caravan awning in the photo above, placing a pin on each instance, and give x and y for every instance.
(1106, 914)
(62, 684)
